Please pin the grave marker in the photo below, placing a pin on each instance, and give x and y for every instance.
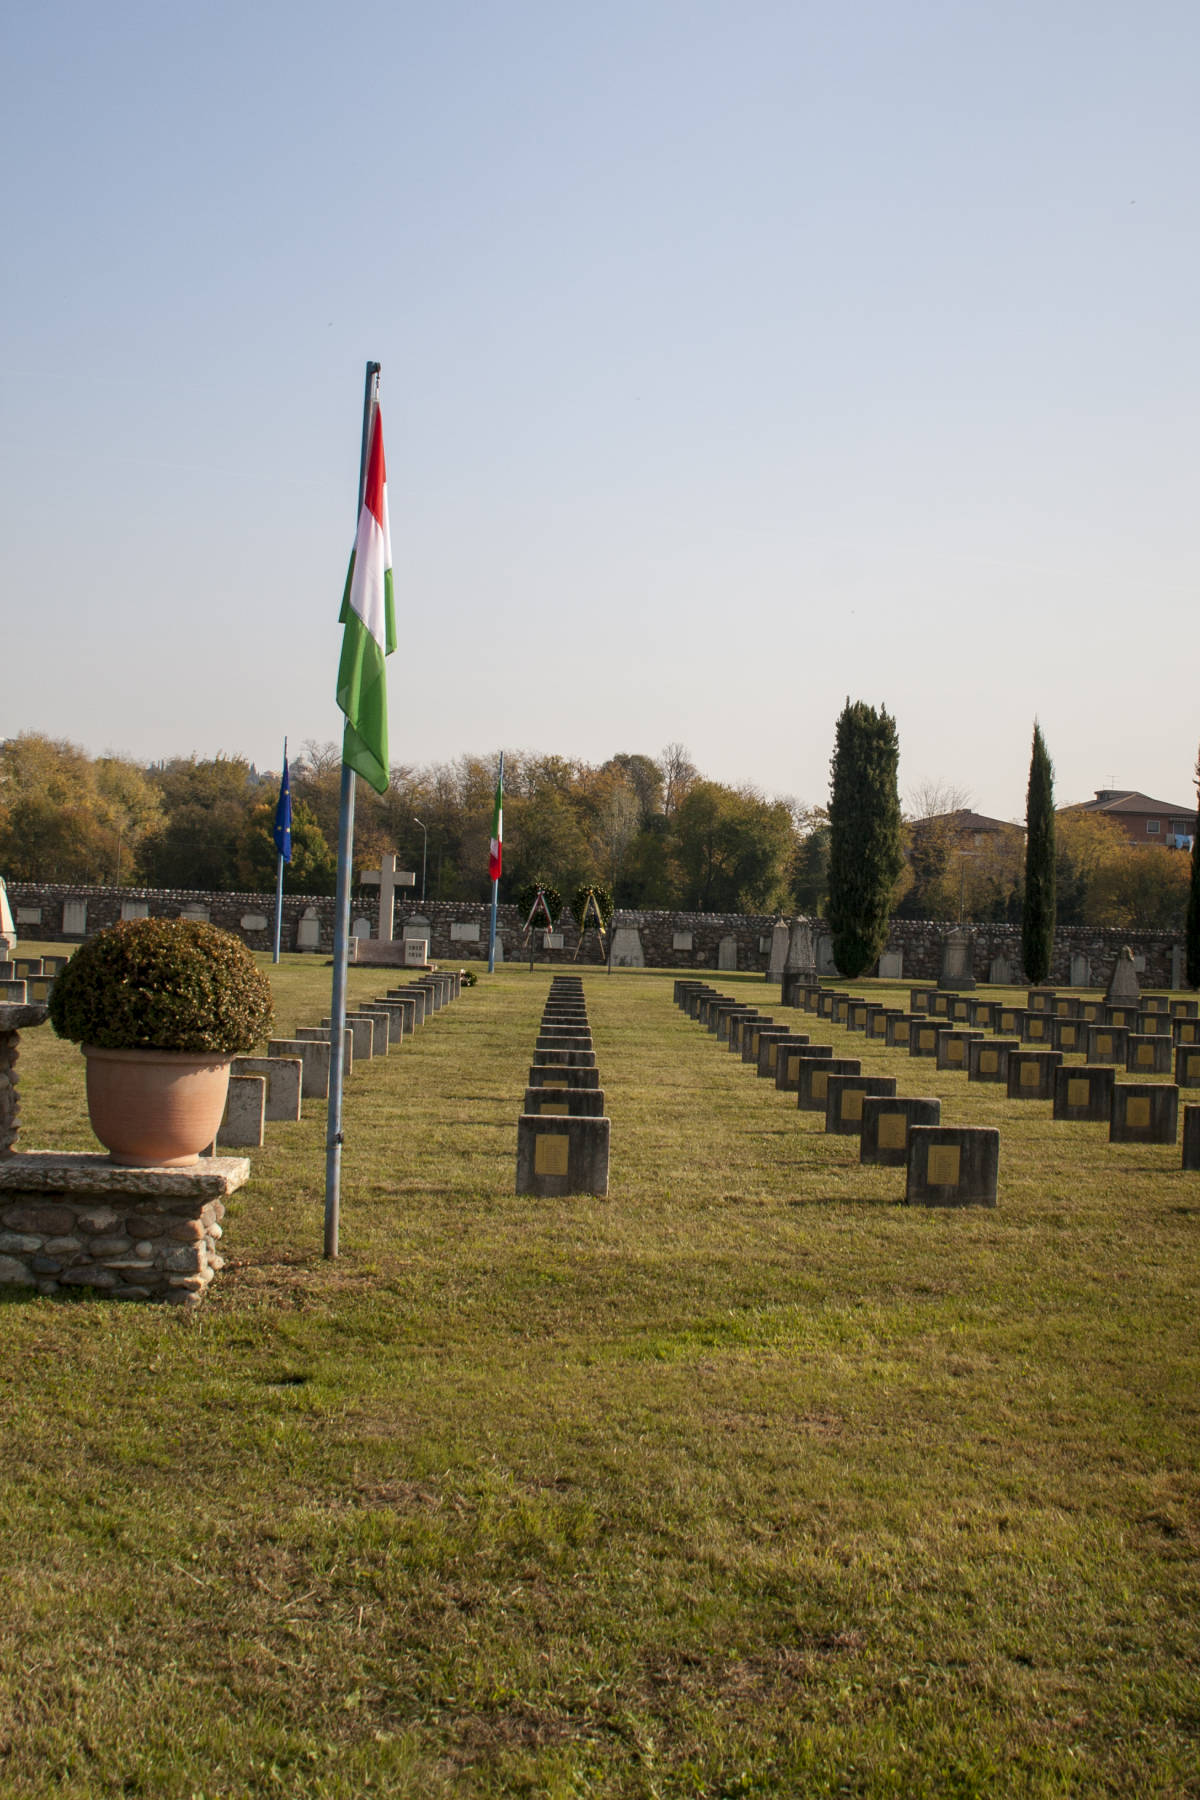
(1144, 1113)
(952, 1165)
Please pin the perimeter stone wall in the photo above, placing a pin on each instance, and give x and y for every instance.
(458, 932)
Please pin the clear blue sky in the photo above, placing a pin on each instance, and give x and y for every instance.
(736, 358)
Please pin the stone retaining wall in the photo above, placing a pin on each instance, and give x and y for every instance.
(458, 931)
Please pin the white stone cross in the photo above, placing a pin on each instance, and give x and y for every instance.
(387, 878)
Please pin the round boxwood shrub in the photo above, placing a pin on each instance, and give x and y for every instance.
(162, 984)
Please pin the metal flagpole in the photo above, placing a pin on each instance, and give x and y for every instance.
(279, 886)
(341, 912)
(496, 883)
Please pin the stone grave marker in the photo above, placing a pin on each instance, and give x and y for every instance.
(812, 1090)
(1123, 988)
(1031, 1074)
(987, 1059)
(844, 1096)
(1148, 1055)
(1084, 1093)
(886, 1123)
(952, 1165)
(1144, 1113)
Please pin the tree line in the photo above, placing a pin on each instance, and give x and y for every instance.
(653, 830)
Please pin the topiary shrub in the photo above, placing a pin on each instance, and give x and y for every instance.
(162, 984)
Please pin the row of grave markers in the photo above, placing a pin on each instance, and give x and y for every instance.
(273, 1087)
(945, 1165)
(563, 1131)
(1166, 1040)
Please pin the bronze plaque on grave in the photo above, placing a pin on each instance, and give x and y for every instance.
(550, 1153)
(943, 1165)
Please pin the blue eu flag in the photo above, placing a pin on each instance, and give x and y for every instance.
(282, 832)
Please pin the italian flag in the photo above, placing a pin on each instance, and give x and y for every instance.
(496, 848)
(369, 616)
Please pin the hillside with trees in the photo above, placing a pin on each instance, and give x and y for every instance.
(653, 830)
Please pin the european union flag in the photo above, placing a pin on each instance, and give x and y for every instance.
(282, 832)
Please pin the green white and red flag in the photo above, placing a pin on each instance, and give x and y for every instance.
(369, 616)
(496, 848)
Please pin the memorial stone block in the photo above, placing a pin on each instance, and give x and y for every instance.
(1187, 1031)
(1191, 1137)
(886, 1123)
(314, 1059)
(923, 1039)
(1187, 1065)
(245, 1109)
(789, 1053)
(900, 1027)
(1036, 1027)
(1068, 1035)
(1155, 1023)
(769, 1039)
(564, 1102)
(1084, 1094)
(555, 1075)
(952, 1166)
(1106, 1044)
(813, 1079)
(844, 1095)
(1040, 1000)
(987, 1059)
(1184, 1009)
(952, 1048)
(1148, 1055)
(559, 1156)
(1144, 1113)
(1031, 1074)
(1125, 1016)
(283, 1076)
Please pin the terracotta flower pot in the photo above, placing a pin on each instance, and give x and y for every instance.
(150, 1107)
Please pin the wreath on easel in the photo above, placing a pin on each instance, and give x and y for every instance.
(539, 899)
(592, 906)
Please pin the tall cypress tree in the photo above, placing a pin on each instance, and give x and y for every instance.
(865, 856)
(1192, 939)
(1037, 919)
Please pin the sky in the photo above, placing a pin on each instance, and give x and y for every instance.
(737, 359)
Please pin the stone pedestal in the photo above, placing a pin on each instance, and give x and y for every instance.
(957, 949)
(76, 1220)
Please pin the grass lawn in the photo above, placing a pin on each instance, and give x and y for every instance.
(747, 1480)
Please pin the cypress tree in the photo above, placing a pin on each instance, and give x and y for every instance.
(1192, 939)
(865, 856)
(1037, 917)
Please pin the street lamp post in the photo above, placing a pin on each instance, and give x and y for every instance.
(424, 856)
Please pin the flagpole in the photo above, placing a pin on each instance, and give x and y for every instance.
(341, 913)
(279, 887)
(495, 888)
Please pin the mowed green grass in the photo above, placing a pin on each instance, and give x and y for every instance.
(746, 1480)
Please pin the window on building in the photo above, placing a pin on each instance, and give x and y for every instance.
(1153, 825)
